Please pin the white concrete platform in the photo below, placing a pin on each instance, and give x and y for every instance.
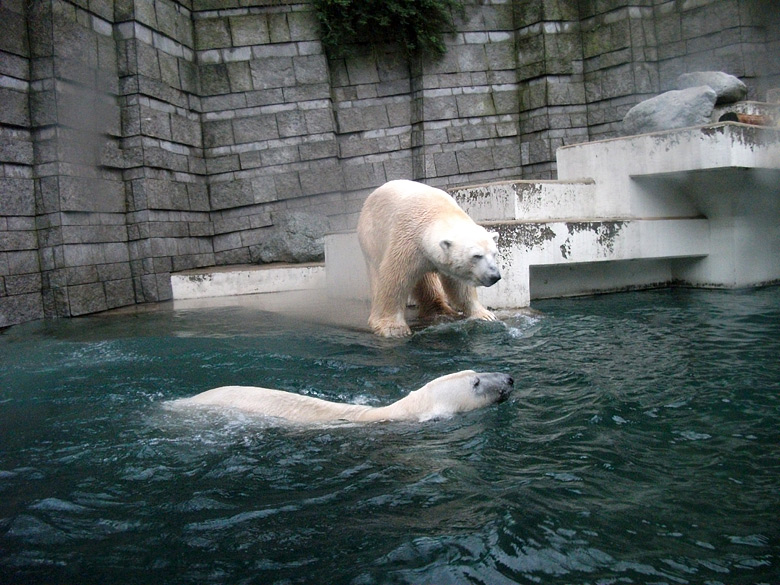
(220, 281)
(529, 200)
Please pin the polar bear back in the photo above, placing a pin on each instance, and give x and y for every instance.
(443, 397)
(275, 403)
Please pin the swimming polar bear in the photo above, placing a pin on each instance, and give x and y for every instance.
(440, 398)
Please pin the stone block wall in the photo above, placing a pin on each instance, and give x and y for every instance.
(143, 137)
(267, 119)
(20, 272)
(165, 174)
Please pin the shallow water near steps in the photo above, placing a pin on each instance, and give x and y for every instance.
(641, 445)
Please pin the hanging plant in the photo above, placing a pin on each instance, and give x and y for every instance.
(418, 26)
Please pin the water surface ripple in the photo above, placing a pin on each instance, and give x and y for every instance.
(641, 445)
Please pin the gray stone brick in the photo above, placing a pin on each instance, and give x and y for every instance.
(214, 79)
(291, 123)
(239, 77)
(440, 108)
(327, 179)
(311, 69)
(303, 26)
(362, 176)
(155, 123)
(211, 33)
(255, 128)
(319, 121)
(277, 26)
(119, 293)
(231, 194)
(362, 69)
(476, 104)
(22, 284)
(22, 262)
(91, 194)
(287, 185)
(169, 70)
(471, 58)
(163, 194)
(272, 72)
(474, 160)
(115, 271)
(264, 190)
(185, 130)
(318, 149)
(250, 29)
(15, 109)
(279, 156)
(350, 120)
(217, 133)
(17, 197)
(86, 298)
(20, 308)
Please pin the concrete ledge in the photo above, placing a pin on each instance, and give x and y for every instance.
(219, 281)
(528, 200)
(588, 244)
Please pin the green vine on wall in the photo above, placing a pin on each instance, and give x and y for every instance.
(418, 26)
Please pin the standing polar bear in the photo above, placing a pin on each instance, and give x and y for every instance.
(440, 398)
(416, 240)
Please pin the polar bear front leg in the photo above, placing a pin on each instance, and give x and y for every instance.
(464, 297)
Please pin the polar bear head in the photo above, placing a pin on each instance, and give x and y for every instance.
(468, 253)
(459, 392)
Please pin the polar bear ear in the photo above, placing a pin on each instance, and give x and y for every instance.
(446, 245)
(494, 235)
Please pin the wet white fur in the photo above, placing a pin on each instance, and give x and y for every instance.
(417, 240)
(440, 398)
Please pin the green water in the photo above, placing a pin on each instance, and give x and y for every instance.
(641, 445)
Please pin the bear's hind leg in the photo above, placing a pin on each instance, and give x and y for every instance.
(464, 297)
(388, 306)
(431, 298)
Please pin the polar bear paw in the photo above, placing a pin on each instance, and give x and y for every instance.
(390, 328)
(483, 314)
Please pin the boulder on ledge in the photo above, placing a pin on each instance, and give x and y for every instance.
(672, 109)
(727, 87)
(297, 236)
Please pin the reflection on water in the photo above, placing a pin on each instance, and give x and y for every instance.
(640, 446)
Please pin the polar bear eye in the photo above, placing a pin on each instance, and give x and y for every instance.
(475, 382)
(477, 257)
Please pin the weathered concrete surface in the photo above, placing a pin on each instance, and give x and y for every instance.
(528, 200)
(618, 165)
(246, 280)
(728, 173)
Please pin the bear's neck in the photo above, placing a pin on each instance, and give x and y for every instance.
(410, 408)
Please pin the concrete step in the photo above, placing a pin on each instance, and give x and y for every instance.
(528, 200)
(246, 279)
(530, 252)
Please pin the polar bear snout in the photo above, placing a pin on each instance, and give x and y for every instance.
(491, 278)
(496, 387)
(487, 271)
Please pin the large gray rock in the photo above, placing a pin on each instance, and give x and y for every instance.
(297, 236)
(672, 109)
(727, 87)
